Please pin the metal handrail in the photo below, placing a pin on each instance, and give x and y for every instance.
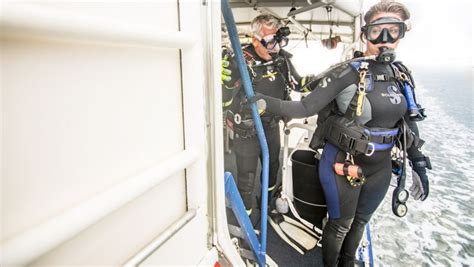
(303, 126)
(234, 38)
(33, 21)
(162, 238)
(26, 247)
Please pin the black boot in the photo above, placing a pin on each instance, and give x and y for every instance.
(346, 261)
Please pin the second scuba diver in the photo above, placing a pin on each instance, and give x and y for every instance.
(364, 110)
(272, 74)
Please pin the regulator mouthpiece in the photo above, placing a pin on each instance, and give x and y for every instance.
(386, 55)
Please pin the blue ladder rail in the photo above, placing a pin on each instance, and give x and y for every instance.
(233, 197)
(361, 250)
(369, 237)
(239, 210)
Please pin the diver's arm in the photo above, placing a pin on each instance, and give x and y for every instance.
(229, 92)
(232, 85)
(329, 85)
(420, 187)
(292, 70)
(413, 151)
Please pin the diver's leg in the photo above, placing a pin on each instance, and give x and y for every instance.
(341, 201)
(334, 234)
(352, 240)
(247, 151)
(273, 140)
(372, 194)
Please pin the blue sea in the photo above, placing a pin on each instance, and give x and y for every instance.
(438, 231)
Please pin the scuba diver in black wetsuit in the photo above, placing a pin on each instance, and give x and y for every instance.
(272, 74)
(362, 113)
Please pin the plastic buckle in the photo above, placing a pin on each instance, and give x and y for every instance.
(342, 139)
(388, 139)
(370, 151)
(351, 143)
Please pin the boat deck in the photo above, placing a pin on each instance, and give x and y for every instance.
(282, 253)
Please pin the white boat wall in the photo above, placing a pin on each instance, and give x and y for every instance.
(108, 143)
(112, 133)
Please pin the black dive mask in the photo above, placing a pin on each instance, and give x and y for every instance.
(384, 30)
(386, 55)
(280, 38)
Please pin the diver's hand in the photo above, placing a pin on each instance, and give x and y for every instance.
(306, 81)
(259, 101)
(225, 71)
(420, 187)
(261, 106)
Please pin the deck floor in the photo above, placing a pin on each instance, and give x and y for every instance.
(277, 249)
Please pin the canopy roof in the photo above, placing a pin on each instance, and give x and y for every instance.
(311, 18)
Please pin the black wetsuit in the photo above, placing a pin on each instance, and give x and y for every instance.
(350, 208)
(273, 80)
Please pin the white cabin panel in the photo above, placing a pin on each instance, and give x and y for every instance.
(116, 238)
(79, 119)
(94, 94)
(160, 15)
(80, 116)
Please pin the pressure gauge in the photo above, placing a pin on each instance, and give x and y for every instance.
(401, 210)
(402, 196)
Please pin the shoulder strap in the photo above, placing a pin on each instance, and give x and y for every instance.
(286, 53)
(359, 95)
(403, 69)
(248, 55)
(356, 63)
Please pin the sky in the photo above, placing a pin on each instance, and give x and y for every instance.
(441, 37)
(441, 33)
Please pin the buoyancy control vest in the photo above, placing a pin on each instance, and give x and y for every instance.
(343, 130)
(275, 78)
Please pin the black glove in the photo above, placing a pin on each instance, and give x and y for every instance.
(420, 187)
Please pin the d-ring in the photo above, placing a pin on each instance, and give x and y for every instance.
(370, 152)
(237, 118)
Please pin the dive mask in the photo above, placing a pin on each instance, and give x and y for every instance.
(280, 38)
(384, 30)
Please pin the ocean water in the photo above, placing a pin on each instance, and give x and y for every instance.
(440, 230)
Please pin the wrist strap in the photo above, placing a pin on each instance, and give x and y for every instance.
(423, 162)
